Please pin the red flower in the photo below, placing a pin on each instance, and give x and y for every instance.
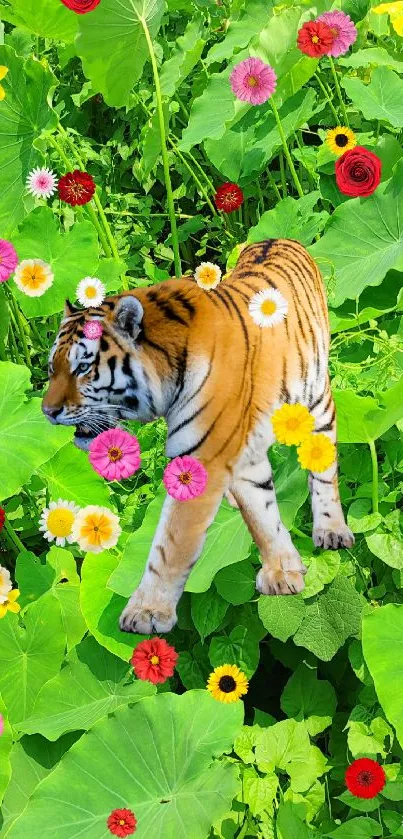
(315, 38)
(365, 778)
(122, 822)
(76, 188)
(358, 172)
(154, 660)
(81, 7)
(2, 518)
(228, 197)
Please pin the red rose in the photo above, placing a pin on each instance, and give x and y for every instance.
(76, 188)
(228, 197)
(358, 172)
(81, 7)
(122, 822)
(315, 38)
(365, 778)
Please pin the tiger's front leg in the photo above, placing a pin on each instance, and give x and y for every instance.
(176, 546)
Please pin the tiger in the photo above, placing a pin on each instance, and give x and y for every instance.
(198, 359)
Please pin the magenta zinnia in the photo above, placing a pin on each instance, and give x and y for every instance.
(185, 478)
(253, 81)
(115, 454)
(8, 260)
(343, 31)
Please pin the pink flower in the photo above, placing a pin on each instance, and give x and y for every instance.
(185, 478)
(41, 182)
(8, 260)
(93, 329)
(342, 28)
(115, 454)
(253, 81)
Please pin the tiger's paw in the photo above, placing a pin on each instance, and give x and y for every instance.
(331, 539)
(144, 617)
(277, 581)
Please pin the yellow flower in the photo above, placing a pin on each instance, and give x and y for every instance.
(96, 528)
(292, 424)
(227, 683)
(316, 453)
(3, 73)
(340, 139)
(207, 275)
(57, 521)
(33, 277)
(395, 10)
(10, 605)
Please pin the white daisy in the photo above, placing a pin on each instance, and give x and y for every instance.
(90, 292)
(33, 277)
(207, 275)
(268, 308)
(41, 182)
(5, 584)
(56, 521)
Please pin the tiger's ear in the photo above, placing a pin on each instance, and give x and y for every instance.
(69, 309)
(128, 315)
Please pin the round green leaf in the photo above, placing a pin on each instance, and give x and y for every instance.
(5, 748)
(382, 632)
(49, 18)
(236, 583)
(305, 697)
(387, 548)
(281, 615)
(69, 475)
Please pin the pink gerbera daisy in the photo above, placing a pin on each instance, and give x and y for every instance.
(8, 260)
(253, 81)
(343, 29)
(93, 329)
(115, 454)
(185, 478)
(42, 182)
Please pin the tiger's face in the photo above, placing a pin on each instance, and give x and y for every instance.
(94, 383)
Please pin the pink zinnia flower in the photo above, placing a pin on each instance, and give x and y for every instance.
(93, 329)
(342, 28)
(253, 81)
(115, 454)
(185, 478)
(41, 182)
(8, 260)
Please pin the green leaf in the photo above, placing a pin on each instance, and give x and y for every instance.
(286, 746)
(208, 611)
(381, 641)
(69, 475)
(27, 440)
(276, 45)
(362, 418)
(241, 647)
(228, 541)
(93, 684)
(24, 113)
(322, 569)
(330, 619)
(387, 548)
(373, 55)
(205, 121)
(34, 577)
(194, 667)
(281, 616)
(289, 823)
(236, 583)
(113, 47)
(186, 54)
(291, 218)
(359, 519)
(290, 482)
(242, 28)
(167, 775)
(364, 739)
(31, 652)
(66, 589)
(72, 256)
(6, 743)
(259, 792)
(307, 698)
(49, 18)
(358, 828)
(371, 236)
(381, 99)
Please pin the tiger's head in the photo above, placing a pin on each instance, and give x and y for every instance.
(94, 383)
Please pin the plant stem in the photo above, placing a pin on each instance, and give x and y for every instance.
(13, 536)
(286, 150)
(164, 150)
(327, 97)
(19, 325)
(273, 183)
(194, 176)
(282, 174)
(336, 81)
(374, 460)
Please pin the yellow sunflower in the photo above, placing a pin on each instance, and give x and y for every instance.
(292, 424)
(341, 139)
(316, 453)
(227, 683)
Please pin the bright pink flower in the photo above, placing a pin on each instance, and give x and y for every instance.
(342, 28)
(42, 182)
(115, 454)
(185, 478)
(8, 260)
(253, 81)
(93, 329)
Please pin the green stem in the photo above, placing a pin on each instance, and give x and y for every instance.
(20, 327)
(94, 220)
(13, 536)
(282, 174)
(327, 97)
(286, 150)
(164, 150)
(194, 176)
(375, 476)
(12, 345)
(53, 142)
(273, 183)
(336, 81)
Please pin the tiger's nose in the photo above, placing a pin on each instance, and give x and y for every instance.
(51, 413)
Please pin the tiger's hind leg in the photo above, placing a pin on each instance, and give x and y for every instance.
(282, 568)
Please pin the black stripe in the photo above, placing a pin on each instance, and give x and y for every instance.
(260, 275)
(329, 425)
(177, 295)
(112, 366)
(321, 480)
(157, 347)
(188, 420)
(205, 435)
(239, 313)
(284, 390)
(267, 485)
(180, 375)
(223, 300)
(126, 368)
(203, 382)
(170, 313)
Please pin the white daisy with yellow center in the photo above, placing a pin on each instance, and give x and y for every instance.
(56, 521)
(268, 308)
(5, 584)
(207, 275)
(90, 292)
(33, 277)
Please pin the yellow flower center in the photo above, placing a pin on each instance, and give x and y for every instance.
(208, 275)
(185, 478)
(90, 292)
(316, 451)
(154, 659)
(97, 528)
(115, 454)
(315, 39)
(252, 81)
(292, 423)
(60, 522)
(122, 821)
(33, 276)
(268, 307)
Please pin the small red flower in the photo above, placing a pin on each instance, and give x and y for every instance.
(76, 188)
(365, 778)
(2, 518)
(228, 197)
(358, 172)
(122, 822)
(81, 7)
(315, 38)
(154, 660)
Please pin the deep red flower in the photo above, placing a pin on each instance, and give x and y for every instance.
(122, 822)
(315, 38)
(154, 660)
(2, 518)
(358, 172)
(365, 778)
(228, 197)
(76, 187)
(81, 7)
